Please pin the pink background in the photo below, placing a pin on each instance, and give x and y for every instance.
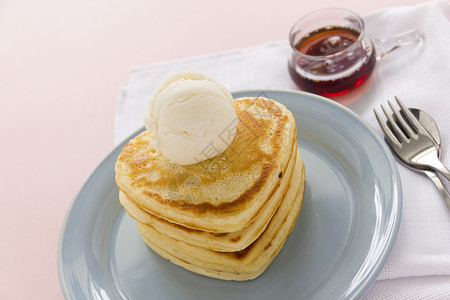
(62, 64)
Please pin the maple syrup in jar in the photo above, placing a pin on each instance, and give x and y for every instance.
(331, 60)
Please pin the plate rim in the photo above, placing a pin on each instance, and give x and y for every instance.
(395, 214)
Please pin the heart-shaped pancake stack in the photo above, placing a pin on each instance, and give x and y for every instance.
(226, 217)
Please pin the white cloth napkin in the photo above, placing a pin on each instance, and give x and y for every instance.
(419, 265)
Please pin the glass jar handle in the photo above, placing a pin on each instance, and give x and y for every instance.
(387, 45)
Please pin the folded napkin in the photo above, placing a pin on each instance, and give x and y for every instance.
(419, 265)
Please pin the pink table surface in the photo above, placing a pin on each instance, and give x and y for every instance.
(62, 64)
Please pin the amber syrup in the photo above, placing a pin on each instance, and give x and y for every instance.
(332, 81)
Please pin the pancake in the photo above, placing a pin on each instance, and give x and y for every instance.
(240, 265)
(211, 272)
(222, 194)
(227, 242)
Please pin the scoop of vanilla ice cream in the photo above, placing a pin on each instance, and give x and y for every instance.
(192, 118)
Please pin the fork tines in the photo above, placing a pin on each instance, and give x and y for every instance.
(401, 126)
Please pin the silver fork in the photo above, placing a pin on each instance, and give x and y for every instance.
(410, 141)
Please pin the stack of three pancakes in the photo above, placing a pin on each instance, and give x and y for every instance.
(226, 217)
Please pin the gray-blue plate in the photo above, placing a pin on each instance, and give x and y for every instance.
(344, 234)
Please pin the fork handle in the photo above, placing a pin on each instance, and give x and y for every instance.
(445, 172)
(440, 186)
(437, 165)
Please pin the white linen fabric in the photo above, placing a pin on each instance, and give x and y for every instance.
(419, 264)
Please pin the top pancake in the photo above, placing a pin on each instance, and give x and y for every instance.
(221, 194)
